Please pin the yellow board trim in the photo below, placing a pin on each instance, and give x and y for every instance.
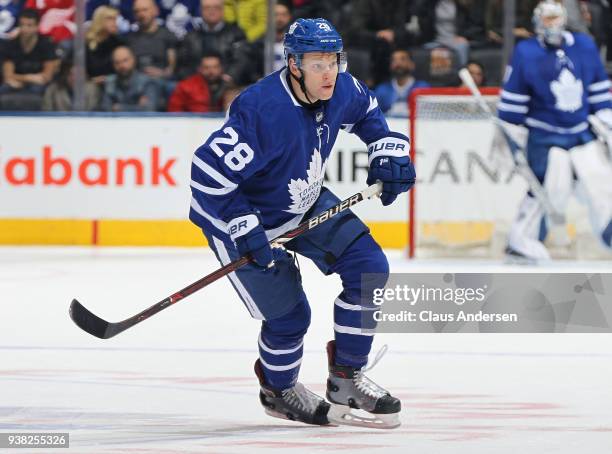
(390, 235)
(112, 232)
(149, 233)
(74, 232)
(142, 232)
(46, 232)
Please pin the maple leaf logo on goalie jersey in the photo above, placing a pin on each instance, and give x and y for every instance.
(568, 91)
(305, 192)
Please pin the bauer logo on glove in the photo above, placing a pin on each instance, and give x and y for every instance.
(390, 164)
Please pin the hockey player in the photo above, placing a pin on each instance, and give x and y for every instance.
(258, 176)
(555, 80)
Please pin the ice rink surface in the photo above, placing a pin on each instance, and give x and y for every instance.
(182, 381)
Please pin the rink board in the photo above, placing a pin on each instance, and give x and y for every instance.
(124, 180)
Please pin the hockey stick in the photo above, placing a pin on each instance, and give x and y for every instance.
(518, 154)
(94, 325)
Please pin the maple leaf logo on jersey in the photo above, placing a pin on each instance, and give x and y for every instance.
(568, 91)
(304, 193)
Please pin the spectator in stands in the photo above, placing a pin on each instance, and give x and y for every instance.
(494, 17)
(596, 14)
(211, 33)
(453, 24)
(443, 68)
(9, 12)
(128, 89)
(152, 44)
(249, 65)
(477, 72)
(101, 40)
(379, 27)
(202, 92)
(56, 18)
(29, 65)
(176, 15)
(393, 95)
(282, 20)
(59, 94)
(249, 15)
(125, 8)
(577, 15)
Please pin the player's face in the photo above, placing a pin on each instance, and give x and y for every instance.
(320, 70)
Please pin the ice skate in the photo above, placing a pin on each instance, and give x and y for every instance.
(514, 257)
(296, 403)
(349, 389)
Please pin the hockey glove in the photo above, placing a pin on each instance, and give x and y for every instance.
(249, 237)
(396, 173)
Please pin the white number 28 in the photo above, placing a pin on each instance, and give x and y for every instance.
(239, 156)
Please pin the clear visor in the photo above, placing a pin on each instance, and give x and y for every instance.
(320, 66)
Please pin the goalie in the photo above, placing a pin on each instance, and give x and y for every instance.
(554, 82)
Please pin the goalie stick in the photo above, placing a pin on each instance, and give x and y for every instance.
(98, 327)
(603, 134)
(518, 155)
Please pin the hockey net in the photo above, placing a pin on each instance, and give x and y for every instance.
(467, 192)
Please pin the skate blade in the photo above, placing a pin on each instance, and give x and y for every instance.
(279, 415)
(344, 415)
(510, 259)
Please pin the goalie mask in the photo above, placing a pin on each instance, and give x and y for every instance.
(549, 20)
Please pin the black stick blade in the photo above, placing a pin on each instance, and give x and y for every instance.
(88, 321)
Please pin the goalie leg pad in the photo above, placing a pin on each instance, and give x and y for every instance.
(525, 231)
(594, 173)
(558, 181)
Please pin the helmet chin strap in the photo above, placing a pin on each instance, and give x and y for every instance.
(302, 84)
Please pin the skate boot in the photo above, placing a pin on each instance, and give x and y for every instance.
(296, 403)
(348, 388)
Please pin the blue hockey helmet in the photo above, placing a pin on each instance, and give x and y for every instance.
(313, 35)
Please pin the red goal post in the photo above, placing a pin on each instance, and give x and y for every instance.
(466, 198)
(431, 104)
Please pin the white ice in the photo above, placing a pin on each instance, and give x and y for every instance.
(182, 381)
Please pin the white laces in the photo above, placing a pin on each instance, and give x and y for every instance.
(364, 384)
(302, 398)
(377, 358)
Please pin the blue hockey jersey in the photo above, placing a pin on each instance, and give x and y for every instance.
(555, 89)
(271, 153)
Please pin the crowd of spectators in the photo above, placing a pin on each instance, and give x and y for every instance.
(196, 55)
